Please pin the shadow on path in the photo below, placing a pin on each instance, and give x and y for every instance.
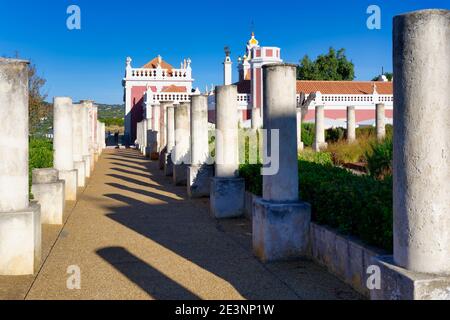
(156, 284)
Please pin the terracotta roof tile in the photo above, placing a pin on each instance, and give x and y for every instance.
(344, 87)
(174, 88)
(154, 63)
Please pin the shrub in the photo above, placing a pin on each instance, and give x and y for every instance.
(40, 155)
(316, 157)
(356, 205)
(343, 152)
(308, 134)
(379, 159)
(334, 134)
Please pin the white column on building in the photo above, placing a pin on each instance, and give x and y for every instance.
(300, 144)
(319, 140)
(20, 224)
(351, 124)
(227, 69)
(380, 121)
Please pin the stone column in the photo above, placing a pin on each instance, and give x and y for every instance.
(280, 221)
(63, 145)
(420, 266)
(168, 166)
(199, 173)
(163, 135)
(20, 221)
(155, 136)
(180, 153)
(227, 189)
(148, 133)
(380, 121)
(94, 146)
(144, 136)
(300, 144)
(78, 162)
(85, 137)
(48, 190)
(319, 140)
(90, 107)
(351, 124)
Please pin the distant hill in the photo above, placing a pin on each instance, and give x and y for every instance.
(110, 111)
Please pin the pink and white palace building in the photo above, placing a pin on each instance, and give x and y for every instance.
(336, 96)
(157, 82)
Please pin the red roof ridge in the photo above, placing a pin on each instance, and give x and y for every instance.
(152, 64)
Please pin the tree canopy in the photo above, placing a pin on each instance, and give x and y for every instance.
(331, 66)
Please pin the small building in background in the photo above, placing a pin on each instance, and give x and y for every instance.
(155, 82)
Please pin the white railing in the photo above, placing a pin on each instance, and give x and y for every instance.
(158, 74)
(168, 96)
(339, 100)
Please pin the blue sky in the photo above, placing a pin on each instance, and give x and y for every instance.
(89, 63)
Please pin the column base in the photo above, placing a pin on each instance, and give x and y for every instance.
(401, 284)
(227, 197)
(162, 159)
(87, 163)
(301, 146)
(80, 166)
(317, 147)
(92, 155)
(51, 198)
(71, 184)
(148, 152)
(168, 165)
(180, 174)
(96, 156)
(199, 180)
(20, 239)
(280, 230)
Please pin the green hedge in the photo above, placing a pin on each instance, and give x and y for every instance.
(40, 154)
(379, 159)
(356, 205)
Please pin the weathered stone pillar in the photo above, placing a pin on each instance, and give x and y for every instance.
(227, 189)
(90, 107)
(78, 162)
(380, 121)
(148, 133)
(48, 190)
(163, 135)
(351, 124)
(199, 172)
(319, 140)
(181, 153)
(94, 146)
(420, 267)
(168, 166)
(155, 132)
(85, 137)
(20, 221)
(280, 221)
(63, 145)
(300, 144)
